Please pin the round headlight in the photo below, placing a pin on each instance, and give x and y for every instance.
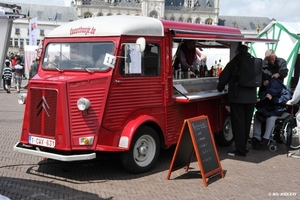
(83, 104)
(22, 98)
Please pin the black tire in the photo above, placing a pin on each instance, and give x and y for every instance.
(225, 137)
(144, 151)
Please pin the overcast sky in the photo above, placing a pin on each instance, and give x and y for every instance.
(281, 10)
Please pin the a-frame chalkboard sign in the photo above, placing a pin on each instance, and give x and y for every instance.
(196, 136)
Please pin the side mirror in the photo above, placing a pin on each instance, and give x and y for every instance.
(140, 44)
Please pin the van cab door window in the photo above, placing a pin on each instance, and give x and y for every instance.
(138, 64)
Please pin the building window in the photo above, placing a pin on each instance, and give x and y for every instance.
(197, 21)
(180, 19)
(189, 20)
(17, 31)
(27, 41)
(10, 42)
(172, 18)
(21, 43)
(209, 21)
(100, 14)
(190, 3)
(208, 3)
(16, 42)
(38, 42)
(153, 14)
(87, 15)
(42, 32)
(86, 2)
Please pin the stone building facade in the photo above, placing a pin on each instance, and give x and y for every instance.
(193, 11)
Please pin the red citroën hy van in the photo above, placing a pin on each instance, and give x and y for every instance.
(97, 90)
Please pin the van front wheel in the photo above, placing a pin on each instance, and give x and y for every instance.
(144, 151)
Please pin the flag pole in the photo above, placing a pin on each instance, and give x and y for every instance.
(55, 18)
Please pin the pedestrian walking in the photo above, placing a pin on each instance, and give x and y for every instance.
(7, 76)
(19, 70)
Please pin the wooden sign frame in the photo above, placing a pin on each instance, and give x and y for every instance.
(196, 136)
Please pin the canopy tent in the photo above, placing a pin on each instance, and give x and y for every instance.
(288, 46)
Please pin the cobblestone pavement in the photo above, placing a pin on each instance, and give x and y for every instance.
(260, 175)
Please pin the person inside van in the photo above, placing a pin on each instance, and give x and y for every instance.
(150, 61)
(187, 55)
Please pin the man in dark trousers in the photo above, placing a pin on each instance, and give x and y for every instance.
(242, 101)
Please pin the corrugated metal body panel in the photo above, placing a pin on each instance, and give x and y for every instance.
(87, 122)
(43, 112)
(177, 113)
(132, 95)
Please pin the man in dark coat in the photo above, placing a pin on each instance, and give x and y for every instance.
(242, 101)
(275, 68)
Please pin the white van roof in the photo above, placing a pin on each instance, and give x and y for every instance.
(110, 26)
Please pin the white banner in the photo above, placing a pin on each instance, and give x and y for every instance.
(33, 32)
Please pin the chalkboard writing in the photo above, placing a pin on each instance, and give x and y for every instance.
(196, 137)
(205, 145)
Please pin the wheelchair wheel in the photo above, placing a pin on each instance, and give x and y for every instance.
(295, 140)
(273, 148)
(289, 132)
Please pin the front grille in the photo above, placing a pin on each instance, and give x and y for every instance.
(43, 112)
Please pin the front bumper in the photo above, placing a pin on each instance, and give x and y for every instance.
(34, 151)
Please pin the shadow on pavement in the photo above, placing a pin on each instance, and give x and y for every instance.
(108, 167)
(16, 188)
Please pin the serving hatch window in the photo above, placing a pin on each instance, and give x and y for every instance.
(94, 56)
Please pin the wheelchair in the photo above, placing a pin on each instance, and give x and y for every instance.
(285, 131)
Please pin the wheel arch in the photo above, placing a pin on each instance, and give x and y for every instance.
(133, 126)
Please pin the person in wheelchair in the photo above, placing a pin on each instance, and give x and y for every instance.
(270, 106)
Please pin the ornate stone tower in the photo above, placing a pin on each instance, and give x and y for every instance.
(153, 8)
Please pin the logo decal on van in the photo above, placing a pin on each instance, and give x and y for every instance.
(43, 105)
(84, 30)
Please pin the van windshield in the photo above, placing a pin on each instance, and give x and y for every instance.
(79, 56)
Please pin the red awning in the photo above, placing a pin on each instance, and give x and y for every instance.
(216, 39)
